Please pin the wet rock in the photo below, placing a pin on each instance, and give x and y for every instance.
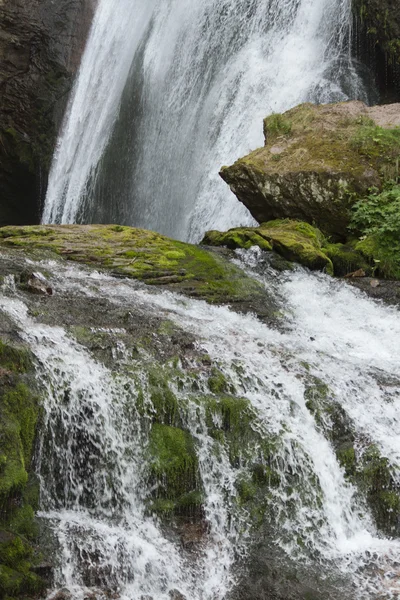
(293, 240)
(176, 595)
(329, 157)
(36, 283)
(150, 258)
(41, 42)
(358, 273)
(377, 44)
(193, 534)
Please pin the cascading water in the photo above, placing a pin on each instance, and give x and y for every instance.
(168, 92)
(93, 455)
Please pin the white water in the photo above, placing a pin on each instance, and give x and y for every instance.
(203, 75)
(96, 505)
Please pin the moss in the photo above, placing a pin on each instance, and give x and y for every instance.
(164, 402)
(144, 255)
(276, 125)
(380, 145)
(19, 413)
(367, 470)
(16, 360)
(294, 240)
(237, 238)
(174, 469)
(383, 258)
(218, 383)
(347, 459)
(374, 477)
(346, 259)
(380, 22)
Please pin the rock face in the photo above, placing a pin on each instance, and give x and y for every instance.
(317, 162)
(41, 42)
(377, 43)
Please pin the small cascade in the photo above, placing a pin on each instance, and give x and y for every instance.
(297, 388)
(168, 92)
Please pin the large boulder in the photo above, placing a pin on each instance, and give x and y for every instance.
(317, 162)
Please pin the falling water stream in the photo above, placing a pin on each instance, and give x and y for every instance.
(92, 456)
(168, 92)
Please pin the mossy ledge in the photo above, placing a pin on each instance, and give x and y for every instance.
(19, 413)
(144, 255)
(299, 242)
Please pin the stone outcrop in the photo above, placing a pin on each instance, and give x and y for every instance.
(317, 162)
(41, 42)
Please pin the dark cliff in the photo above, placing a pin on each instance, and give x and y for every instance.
(376, 41)
(41, 42)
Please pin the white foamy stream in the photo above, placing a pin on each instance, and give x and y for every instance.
(202, 77)
(350, 342)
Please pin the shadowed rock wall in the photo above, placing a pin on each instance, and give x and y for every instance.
(376, 43)
(41, 42)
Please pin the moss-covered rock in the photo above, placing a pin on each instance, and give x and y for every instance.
(294, 240)
(316, 163)
(19, 413)
(143, 255)
(174, 470)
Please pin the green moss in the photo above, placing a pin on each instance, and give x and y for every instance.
(276, 125)
(19, 412)
(380, 145)
(164, 402)
(144, 255)
(218, 383)
(346, 259)
(174, 469)
(380, 21)
(375, 479)
(347, 459)
(13, 359)
(294, 240)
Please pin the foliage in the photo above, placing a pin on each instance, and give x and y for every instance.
(377, 218)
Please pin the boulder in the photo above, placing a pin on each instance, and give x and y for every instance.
(317, 162)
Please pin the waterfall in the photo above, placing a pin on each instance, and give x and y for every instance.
(93, 461)
(168, 92)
